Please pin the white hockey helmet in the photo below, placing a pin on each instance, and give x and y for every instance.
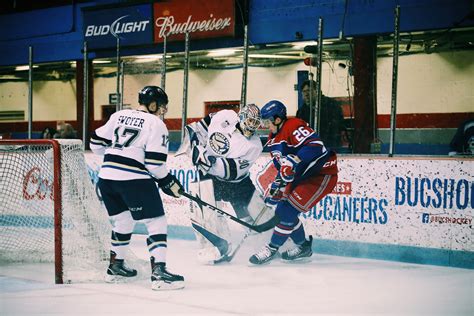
(250, 119)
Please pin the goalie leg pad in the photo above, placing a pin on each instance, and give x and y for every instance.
(217, 246)
(209, 255)
(211, 229)
(256, 206)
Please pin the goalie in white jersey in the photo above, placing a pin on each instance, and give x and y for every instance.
(135, 148)
(223, 147)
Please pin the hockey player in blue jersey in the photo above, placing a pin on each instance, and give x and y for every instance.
(307, 171)
(135, 148)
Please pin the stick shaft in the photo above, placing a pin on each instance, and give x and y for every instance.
(218, 210)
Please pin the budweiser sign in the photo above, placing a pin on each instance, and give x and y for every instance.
(201, 18)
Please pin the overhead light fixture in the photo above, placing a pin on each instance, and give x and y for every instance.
(151, 56)
(26, 67)
(148, 58)
(301, 45)
(9, 77)
(222, 52)
(98, 61)
(311, 49)
(275, 56)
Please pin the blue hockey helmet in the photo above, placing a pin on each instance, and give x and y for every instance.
(272, 110)
(151, 94)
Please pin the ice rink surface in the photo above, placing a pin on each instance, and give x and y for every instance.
(327, 285)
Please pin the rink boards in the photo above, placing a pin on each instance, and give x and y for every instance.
(405, 209)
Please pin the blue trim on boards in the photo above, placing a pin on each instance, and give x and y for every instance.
(410, 254)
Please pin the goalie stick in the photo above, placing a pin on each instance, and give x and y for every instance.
(258, 228)
(231, 255)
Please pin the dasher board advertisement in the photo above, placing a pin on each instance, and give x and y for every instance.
(132, 24)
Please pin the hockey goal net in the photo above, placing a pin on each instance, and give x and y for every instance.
(49, 210)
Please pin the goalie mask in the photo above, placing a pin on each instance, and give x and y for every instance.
(250, 119)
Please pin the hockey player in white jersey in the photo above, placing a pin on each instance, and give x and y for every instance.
(223, 146)
(135, 148)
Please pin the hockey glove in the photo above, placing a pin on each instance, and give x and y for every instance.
(274, 192)
(288, 167)
(170, 185)
(189, 141)
(201, 160)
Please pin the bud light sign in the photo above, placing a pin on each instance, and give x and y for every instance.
(133, 25)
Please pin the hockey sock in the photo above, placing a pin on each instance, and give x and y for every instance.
(288, 222)
(157, 237)
(298, 234)
(281, 233)
(157, 246)
(119, 243)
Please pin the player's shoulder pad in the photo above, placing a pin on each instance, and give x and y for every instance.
(287, 132)
(229, 115)
(156, 122)
(225, 119)
(255, 140)
(294, 122)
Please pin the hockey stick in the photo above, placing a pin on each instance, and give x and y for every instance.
(231, 255)
(258, 228)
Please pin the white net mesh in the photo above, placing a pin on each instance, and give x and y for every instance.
(27, 210)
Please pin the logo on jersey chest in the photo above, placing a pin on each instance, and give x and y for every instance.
(225, 124)
(219, 143)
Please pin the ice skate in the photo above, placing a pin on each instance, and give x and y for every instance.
(299, 252)
(266, 254)
(117, 271)
(162, 279)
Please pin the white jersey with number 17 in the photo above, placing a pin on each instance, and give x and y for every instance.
(134, 144)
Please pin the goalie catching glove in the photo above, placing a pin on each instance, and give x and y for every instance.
(192, 134)
(190, 140)
(201, 159)
(170, 185)
(288, 167)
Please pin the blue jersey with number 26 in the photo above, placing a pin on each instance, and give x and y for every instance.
(297, 138)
